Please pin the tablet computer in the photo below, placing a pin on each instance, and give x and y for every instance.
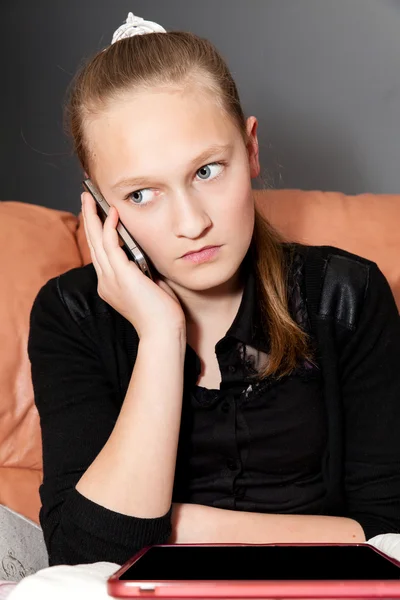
(257, 571)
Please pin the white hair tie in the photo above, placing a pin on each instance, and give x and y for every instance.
(136, 26)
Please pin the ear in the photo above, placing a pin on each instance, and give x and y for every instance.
(252, 146)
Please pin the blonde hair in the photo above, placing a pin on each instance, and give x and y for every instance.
(181, 58)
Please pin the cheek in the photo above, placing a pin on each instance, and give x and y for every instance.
(152, 242)
(156, 244)
(238, 214)
(144, 236)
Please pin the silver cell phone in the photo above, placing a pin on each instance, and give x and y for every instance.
(130, 246)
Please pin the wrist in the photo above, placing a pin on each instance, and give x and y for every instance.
(161, 342)
(194, 524)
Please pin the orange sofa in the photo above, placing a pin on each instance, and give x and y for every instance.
(39, 243)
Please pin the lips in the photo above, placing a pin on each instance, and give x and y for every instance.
(200, 250)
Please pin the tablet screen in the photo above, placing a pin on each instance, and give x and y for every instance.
(247, 563)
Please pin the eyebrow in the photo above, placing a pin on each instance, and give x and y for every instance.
(131, 181)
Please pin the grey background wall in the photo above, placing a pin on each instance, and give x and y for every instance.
(322, 76)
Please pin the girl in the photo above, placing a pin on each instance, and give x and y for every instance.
(251, 392)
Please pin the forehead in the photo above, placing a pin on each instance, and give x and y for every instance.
(155, 125)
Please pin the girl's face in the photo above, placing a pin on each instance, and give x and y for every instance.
(178, 172)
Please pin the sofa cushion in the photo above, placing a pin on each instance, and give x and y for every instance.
(365, 224)
(19, 488)
(38, 243)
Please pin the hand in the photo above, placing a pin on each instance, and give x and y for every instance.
(148, 305)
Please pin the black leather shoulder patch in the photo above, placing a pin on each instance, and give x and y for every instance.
(343, 289)
(78, 288)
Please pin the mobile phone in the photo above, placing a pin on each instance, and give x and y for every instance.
(257, 571)
(130, 246)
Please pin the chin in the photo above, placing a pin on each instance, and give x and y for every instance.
(210, 276)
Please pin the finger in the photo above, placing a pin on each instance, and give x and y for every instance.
(111, 240)
(94, 228)
(89, 242)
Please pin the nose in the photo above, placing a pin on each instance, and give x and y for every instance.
(190, 217)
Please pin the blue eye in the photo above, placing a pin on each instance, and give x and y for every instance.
(138, 196)
(139, 193)
(205, 171)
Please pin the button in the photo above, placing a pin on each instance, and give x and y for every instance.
(231, 464)
(147, 587)
(225, 407)
(239, 491)
(232, 368)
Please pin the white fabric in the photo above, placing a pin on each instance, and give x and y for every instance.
(6, 588)
(88, 582)
(136, 26)
(65, 582)
(389, 543)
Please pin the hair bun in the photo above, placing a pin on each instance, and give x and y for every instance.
(136, 26)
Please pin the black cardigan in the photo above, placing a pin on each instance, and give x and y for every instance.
(82, 351)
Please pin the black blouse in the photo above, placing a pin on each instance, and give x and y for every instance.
(253, 445)
(323, 440)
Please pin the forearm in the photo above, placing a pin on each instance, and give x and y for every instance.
(134, 472)
(193, 523)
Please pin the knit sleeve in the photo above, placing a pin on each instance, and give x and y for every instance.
(370, 380)
(78, 406)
